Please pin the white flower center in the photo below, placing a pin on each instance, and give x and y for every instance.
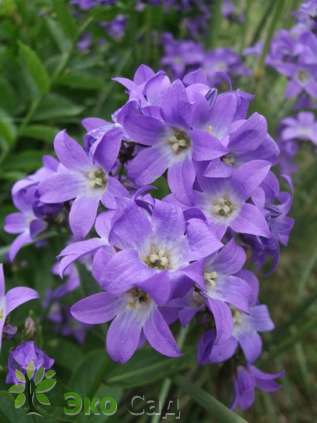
(211, 279)
(97, 179)
(229, 159)
(178, 141)
(223, 207)
(237, 317)
(303, 76)
(158, 258)
(137, 298)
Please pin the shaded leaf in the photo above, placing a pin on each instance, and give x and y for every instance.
(39, 132)
(56, 107)
(215, 408)
(147, 367)
(65, 18)
(35, 68)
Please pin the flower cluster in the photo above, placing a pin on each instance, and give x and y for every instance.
(294, 54)
(183, 56)
(182, 254)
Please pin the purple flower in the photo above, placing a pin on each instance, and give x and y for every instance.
(247, 379)
(304, 127)
(224, 201)
(116, 27)
(89, 4)
(156, 245)
(83, 180)
(135, 317)
(245, 332)
(11, 300)
(181, 55)
(65, 324)
(24, 222)
(219, 282)
(23, 356)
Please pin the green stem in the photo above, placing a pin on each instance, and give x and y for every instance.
(167, 382)
(278, 10)
(215, 20)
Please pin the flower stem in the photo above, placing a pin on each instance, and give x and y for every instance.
(278, 10)
(168, 382)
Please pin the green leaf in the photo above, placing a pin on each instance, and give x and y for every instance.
(45, 386)
(35, 68)
(20, 376)
(56, 107)
(20, 401)
(63, 43)
(50, 374)
(65, 18)
(39, 132)
(147, 367)
(39, 376)
(218, 412)
(7, 131)
(81, 80)
(103, 13)
(17, 389)
(90, 372)
(42, 399)
(30, 370)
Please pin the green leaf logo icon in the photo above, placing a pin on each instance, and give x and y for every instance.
(39, 376)
(20, 401)
(45, 386)
(20, 376)
(17, 389)
(42, 399)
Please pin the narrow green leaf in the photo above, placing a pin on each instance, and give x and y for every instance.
(20, 376)
(56, 107)
(17, 389)
(63, 43)
(50, 374)
(20, 401)
(7, 131)
(35, 68)
(45, 386)
(90, 372)
(81, 80)
(147, 367)
(42, 399)
(39, 132)
(39, 376)
(219, 412)
(65, 18)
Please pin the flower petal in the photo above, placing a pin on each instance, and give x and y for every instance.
(123, 336)
(159, 335)
(97, 308)
(18, 296)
